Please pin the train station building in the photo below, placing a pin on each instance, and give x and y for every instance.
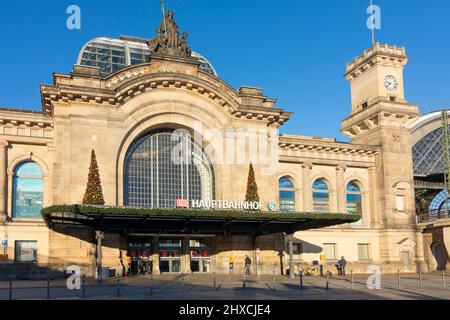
(174, 143)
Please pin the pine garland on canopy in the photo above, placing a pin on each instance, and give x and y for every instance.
(94, 193)
(252, 187)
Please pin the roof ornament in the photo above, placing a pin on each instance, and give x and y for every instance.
(168, 39)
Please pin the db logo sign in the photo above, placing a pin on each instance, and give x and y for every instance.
(182, 203)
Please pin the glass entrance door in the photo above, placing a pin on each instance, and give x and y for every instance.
(170, 255)
(200, 256)
(139, 257)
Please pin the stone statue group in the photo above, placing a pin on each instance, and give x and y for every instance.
(168, 40)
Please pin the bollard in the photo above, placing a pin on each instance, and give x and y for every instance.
(398, 279)
(10, 288)
(48, 287)
(245, 280)
(214, 281)
(84, 286)
(274, 281)
(443, 278)
(118, 287)
(420, 279)
(328, 281)
(301, 280)
(352, 279)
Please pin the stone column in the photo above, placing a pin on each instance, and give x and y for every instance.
(155, 255)
(185, 256)
(341, 190)
(307, 187)
(420, 256)
(3, 181)
(375, 219)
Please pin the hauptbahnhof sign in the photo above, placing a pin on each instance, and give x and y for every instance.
(219, 204)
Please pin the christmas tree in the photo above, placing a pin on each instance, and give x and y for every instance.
(252, 187)
(94, 193)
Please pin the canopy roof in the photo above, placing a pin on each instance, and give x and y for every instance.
(126, 220)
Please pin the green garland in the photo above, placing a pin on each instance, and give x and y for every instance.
(126, 211)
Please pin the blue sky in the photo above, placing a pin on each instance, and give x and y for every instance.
(296, 50)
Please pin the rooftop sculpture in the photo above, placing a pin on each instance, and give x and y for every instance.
(168, 39)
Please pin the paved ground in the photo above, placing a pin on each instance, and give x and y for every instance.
(201, 287)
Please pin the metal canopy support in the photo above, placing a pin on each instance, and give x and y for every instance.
(99, 236)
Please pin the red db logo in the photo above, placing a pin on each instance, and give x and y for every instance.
(182, 203)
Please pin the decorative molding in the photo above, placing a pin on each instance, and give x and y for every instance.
(327, 147)
(123, 86)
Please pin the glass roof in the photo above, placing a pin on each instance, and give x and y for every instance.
(428, 154)
(111, 55)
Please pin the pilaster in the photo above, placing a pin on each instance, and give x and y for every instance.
(307, 187)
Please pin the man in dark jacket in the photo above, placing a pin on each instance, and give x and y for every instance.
(342, 263)
(248, 263)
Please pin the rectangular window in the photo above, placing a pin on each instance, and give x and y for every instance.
(404, 256)
(26, 251)
(400, 202)
(329, 250)
(364, 251)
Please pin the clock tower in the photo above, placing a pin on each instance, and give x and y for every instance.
(381, 116)
(377, 74)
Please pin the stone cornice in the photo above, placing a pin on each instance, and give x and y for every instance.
(309, 163)
(28, 119)
(119, 88)
(302, 144)
(381, 113)
(379, 54)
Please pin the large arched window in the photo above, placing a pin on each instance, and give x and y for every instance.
(438, 205)
(287, 195)
(162, 167)
(321, 196)
(354, 199)
(28, 190)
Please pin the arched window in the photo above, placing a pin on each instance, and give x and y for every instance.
(28, 190)
(321, 196)
(354, 199)
(162, 167)
(287, 195)
(438, 205)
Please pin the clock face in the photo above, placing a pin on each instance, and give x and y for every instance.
(391, 83)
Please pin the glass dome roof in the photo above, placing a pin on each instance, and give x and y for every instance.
(111, 55)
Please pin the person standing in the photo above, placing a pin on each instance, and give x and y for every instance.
(248, 263)
(342, 263)
(231, 263)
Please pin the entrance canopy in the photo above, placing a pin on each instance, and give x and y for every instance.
(126, 220)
